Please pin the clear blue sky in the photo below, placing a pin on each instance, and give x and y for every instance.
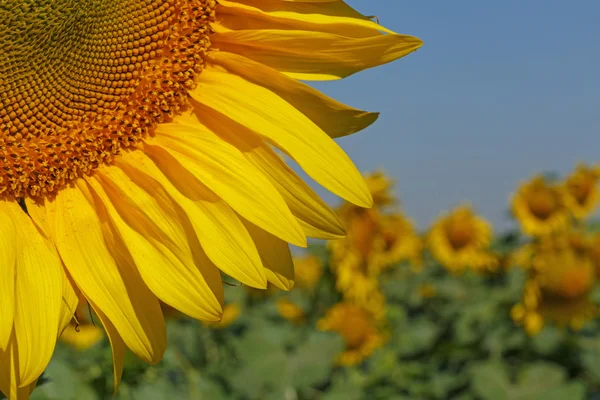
(499, 91)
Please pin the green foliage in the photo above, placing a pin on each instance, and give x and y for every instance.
(459, 344)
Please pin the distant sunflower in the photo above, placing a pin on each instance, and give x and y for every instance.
(231, 313)
(374, 243)
(581, 192)
(82, 332)
(308, 270)
(563, 272)
(358, 329)
(380, 185)
(136, 158)
(461, 239)
(539, 207)
(291, 311)
(377, 239)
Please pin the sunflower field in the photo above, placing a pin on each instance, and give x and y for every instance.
(389, 313)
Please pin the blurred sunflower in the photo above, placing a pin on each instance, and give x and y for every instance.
(231, 313)
(539, 207)
(375, 239)
(581, 191)
(460, 239)
(358, 329)
(563, 272)
(308, 270)
(290, 311)
(82, 332)
(374, 243)
(137, 162)
(594, 243)
(380, 186)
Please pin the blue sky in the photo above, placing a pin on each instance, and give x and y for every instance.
(499, 91)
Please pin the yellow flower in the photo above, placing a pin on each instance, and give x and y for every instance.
(594, 246)
(539, 207)
(308, 271)
(358, 329)
(581, 191)
(461, 239)
(231, 313)
(375, 242)
(290, 311)
(380, 187)
(136, 158)
(563, 272)
(397, 240)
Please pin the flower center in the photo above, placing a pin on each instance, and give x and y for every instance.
(581, 191)
(460, 233)
(355, 330)
(82, 79)
(569, 277)
(542, 204)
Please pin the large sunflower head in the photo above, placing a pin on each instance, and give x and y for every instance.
(358, 329)
(581, 191)
(460, 239)
(539, 207)
(137, 158)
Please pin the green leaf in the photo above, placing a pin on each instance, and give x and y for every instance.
(490, 382)
(312, 362)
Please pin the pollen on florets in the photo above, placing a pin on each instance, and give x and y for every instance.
(81, 80)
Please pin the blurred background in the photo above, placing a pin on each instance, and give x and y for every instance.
(475, 274)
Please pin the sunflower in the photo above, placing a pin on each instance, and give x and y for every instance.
(290, 311)
(231, 313)
(308, 270)
(83, 331)
(375, 242)
(380, 186)
(539, 207)
(562, 275)
(357, 327)
(378, 237)
(460, 239)
(581, 191)
(137, 158)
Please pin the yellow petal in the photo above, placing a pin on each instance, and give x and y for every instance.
(102, 268)
(8, 251)
(276, 120)
(165, 255)
(314, 215)
(220, 232)
(276, 257)
(39, 288)
(70, 301)
(117, 345)
(334, 118)
(325, 16)
(223, 169)
(308, 55)
(9, 374)
(70, 298)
